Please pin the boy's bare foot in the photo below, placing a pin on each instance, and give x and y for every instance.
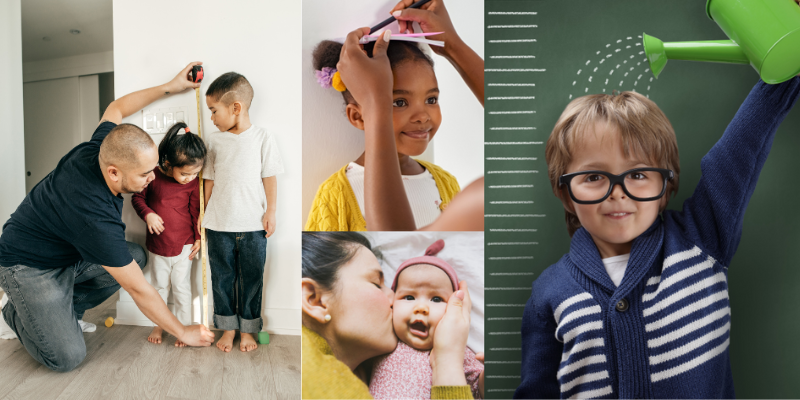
(248, 342)
(178, 343)
(225, 343)
(155, 335)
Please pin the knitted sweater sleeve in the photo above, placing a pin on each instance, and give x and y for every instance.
(541, 352)
(324, 214)
(714, 214)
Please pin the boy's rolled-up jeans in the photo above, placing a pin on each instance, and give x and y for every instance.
(45, 305)
(237, 278)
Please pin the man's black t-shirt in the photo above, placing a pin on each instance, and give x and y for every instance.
(71, 215)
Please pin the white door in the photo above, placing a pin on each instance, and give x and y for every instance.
(59, 114)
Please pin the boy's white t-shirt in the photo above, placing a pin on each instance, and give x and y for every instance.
(421, 190)
(236, 164)
(615, 267)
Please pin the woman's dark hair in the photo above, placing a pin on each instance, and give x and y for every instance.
(181, 150)
(326, 54)
(325, 252)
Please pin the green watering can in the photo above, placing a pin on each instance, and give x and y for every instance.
(764, 33)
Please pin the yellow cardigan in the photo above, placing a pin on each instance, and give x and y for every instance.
(325, 377)
(335, 207)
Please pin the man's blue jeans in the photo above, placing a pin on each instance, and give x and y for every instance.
(44, 306)
(237, 278)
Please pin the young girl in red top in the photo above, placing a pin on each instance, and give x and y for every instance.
(170, 205)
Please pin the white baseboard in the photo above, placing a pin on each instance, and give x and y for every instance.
(280, 321)
(292, 332)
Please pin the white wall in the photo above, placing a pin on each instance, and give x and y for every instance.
(329, 141)
(52, 124)
(12, 152)
(62, 67)
(258, 40)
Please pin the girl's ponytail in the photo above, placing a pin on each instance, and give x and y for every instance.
(180, 150)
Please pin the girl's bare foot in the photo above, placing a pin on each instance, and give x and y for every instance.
(248, 342)
(155, 335)
(178, 343)
(225, 343)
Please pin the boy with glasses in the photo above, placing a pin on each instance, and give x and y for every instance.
(639, 307)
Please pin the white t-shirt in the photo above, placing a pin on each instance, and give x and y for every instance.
(236, 164)
(615, 267)
(421, 190)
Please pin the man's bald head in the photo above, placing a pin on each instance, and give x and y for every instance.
(124, 145)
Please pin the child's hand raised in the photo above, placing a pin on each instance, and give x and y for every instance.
(155, 225)
(369, 80)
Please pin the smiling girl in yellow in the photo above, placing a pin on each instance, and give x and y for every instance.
(339, 204)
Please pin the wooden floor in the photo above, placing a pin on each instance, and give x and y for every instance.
(121, 364)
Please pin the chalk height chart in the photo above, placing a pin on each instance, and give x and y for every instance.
(540, 55)
(516, 179)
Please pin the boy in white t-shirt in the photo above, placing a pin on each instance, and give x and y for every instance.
(243, 160)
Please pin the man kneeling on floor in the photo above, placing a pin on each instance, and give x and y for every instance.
(63, 251)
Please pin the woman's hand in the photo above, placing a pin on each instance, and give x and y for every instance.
(482, 377)
(447, 356)
(369, 80)
(431, 17)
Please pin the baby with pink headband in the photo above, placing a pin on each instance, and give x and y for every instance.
(422, 287)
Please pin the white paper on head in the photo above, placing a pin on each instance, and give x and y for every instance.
(440, 43)
(408, 37)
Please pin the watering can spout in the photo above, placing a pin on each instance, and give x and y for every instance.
(763, 33)
(723, 51)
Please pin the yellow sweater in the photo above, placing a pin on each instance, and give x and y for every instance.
(325, 377)
(335, 207)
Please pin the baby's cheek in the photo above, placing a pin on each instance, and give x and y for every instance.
(400, 313)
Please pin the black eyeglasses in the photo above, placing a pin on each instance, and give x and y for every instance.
(640, 184)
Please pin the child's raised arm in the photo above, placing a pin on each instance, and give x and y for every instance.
(715, 212)
(370, 82)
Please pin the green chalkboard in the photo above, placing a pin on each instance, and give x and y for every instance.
(539, 55)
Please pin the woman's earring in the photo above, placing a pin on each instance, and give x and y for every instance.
(327, 317)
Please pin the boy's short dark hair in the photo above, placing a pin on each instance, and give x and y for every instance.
(230, 87)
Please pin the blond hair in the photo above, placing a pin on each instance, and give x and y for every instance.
(643, 128)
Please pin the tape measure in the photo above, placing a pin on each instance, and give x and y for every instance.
(197, 76)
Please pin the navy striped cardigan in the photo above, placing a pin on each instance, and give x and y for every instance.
(665, 331)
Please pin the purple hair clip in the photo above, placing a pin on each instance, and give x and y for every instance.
(325, 77)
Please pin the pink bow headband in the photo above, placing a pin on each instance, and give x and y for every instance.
(430, 259)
